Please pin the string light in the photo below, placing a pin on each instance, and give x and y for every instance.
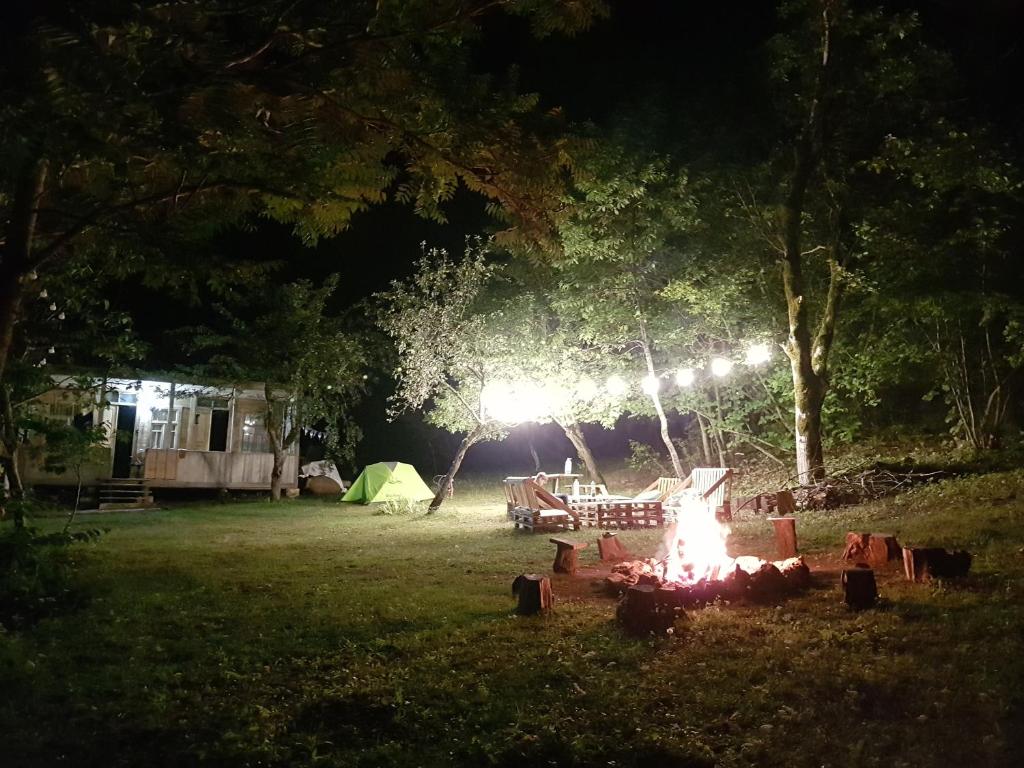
(721, 366)
(617, 386)
(650, 384)
(685, 377)
(758, 353)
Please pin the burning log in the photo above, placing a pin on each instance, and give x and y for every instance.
(796, 573)
(534, 592)
(611, 549)
(785, 536)
(859, 589)
(566, 559)
(647, 609)
(874, 549)
(922, 564)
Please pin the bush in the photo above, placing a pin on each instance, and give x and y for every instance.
(645, 460)
(35, 572)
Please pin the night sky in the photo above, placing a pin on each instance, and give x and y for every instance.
(692, 65)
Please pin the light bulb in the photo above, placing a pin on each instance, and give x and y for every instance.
(720, 366)
(650, 384)
(758, 353)
(616, 386)
(684, 377)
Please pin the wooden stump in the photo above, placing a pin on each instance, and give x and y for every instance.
(646, 609)
(875, 549)
(566, 559)
(924, 563)
(534, 592)
(859, 589)
(611, 549)
(785, 536)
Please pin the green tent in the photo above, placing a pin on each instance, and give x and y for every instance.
(387, 481)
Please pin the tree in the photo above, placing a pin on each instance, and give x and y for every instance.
(310, 367)
(844, 81)
(627, 207)
(445, 358)
(128, 125)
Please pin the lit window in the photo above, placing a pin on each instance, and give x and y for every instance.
(254, 434)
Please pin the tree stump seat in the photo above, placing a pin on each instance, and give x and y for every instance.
(534, 593)
(611, 549)
(566, 560)
(785, 536)
(874, 549)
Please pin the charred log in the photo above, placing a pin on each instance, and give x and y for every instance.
(922, 564)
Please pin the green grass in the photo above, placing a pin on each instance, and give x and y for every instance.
(323, 634)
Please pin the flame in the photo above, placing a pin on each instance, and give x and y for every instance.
(696, 544)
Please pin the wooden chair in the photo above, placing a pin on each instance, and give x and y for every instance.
(533, 507)
(661, 489)
(713, 485)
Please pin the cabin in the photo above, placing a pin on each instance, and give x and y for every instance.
(164, 434)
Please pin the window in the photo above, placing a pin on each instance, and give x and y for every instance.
(115, 397)
(163, 432)
(254, 434)
(215, 403)
(62, 413)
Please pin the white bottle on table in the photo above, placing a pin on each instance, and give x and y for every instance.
(575, 487)
(568, 466)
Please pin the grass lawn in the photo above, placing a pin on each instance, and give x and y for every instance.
(322, 634)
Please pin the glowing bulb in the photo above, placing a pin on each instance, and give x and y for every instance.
(684, 377)
(720, 366)
(586, 389)
(650, 384)
(617, 386)
(758, 353)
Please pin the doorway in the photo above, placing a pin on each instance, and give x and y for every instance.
(123, 439)
(219, 430)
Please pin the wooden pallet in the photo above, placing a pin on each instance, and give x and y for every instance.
(620, 514)
(542, 520)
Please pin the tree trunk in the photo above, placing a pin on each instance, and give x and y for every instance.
(807, 361)
(442, 489)
(809, 393)
(279, 442)
(579, 441)
(677, 466)
(705, 446)
(16, 255)
(275, 475)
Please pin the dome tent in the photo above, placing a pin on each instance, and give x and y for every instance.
(388, 481)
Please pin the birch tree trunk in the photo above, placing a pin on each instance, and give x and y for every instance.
(677, 466)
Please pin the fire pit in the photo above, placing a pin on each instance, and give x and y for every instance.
(696, 570)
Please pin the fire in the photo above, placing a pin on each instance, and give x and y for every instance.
(696, 545)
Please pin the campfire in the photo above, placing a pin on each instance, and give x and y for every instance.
(696, 569)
